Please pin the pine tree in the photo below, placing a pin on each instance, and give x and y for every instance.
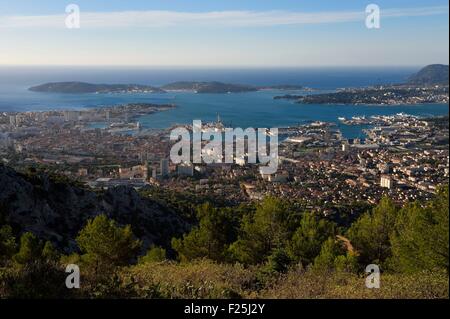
(49, 252)
(211, 238)
(421, 240)
(370, 234)
(267, 230)
(335, 257)
(307, 240)
(7, 243)
(30, 249)
(328, 253)
(106, 245)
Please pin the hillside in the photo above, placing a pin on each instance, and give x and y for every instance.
(431, 75)
(56, 210)
(265, 251)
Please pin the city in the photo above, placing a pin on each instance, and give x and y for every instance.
(403, 157)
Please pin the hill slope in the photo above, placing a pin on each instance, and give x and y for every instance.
(430, 75)
(57, 210)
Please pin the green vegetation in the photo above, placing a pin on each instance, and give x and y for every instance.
(371, 233)
(7, 243)
(210, 238)
(155, 254)
(105, 245)
(267, 229)
(307, 240)
(420, 241)
(271, 250)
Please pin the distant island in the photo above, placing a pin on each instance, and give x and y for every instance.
(429, 85)
(197, 87)
(82, 87)
(208, 87)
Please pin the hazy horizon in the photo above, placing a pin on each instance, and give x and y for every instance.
(214, 67)
(224, 34)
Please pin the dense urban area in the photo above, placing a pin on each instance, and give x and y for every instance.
(402, 156)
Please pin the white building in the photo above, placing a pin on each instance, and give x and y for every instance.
(240, 161)
(71, 116)
(12, 120)
(386, 182)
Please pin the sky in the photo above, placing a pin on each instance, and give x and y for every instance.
(224, 33)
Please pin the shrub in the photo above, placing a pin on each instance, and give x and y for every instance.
(106, 245)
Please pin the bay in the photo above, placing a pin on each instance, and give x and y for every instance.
(251, 109)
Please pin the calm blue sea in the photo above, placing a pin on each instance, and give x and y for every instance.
(253, 109)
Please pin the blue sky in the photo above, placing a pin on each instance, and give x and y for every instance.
(223, 33)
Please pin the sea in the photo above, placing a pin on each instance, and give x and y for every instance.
(251, 109)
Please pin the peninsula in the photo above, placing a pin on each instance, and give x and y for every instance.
(429, 85)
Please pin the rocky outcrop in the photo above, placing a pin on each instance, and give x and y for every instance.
(57, 210)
